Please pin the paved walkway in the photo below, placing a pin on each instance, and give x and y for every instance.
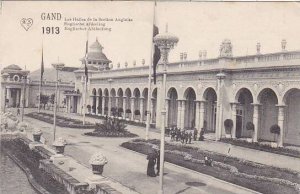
(129, 168)
(262, 157)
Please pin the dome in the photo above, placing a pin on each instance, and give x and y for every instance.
(95, 53)
(96, 46)
(13, 67)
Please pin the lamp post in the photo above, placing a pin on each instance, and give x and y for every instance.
(109, 97)
(165, 43)
(58, 67)
(23, 97)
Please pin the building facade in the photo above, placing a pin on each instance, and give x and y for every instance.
(18, 84)
(261, 88)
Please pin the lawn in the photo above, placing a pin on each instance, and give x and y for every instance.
(61, 121)
(262, 178)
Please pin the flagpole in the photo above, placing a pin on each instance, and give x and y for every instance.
(41, 79)
(40, 85)
(85, 79)
(84, 100)
(149, 82)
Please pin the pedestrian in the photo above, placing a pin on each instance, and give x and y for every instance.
(151, 157)
(186, 136)
(157, 151)
(201, 137)
(178, 134)
(195, 134)
(190, 135)
(18, 111)
(182, 136)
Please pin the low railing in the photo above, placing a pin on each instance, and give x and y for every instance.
(253, 61)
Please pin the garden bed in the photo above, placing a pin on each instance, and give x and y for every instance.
(110, 134)
(262, 147)
(61, 121)
(111, 127)
(19, 151)
(258, 177)
(134, 123)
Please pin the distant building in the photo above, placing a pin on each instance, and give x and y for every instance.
(260, 88)
(13, 84)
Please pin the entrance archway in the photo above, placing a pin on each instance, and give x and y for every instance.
(94, 100)
(190, 108)
(269, 113)
(292, 115)
(172, 108)
(210, 110)
(244, 112)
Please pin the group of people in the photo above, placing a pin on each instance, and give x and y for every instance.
(185, 136)
(153, 158)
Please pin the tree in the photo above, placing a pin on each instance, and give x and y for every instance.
(275, 129)
(250, 127)
(228, 124)
(44, 100)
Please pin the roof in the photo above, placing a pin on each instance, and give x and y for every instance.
(95, 53)
(50, 75)
(13, 67)
(97, 56)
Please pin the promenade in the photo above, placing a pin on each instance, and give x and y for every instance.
(262, 157)
(128, 167)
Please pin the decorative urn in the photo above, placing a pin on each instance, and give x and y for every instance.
(37, 133)
(98, 160)
(22, 126)
(59, 145)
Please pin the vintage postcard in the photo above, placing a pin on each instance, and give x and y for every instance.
(150, 97)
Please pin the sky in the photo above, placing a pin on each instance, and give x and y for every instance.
(198, 25)
(204, 25)
(127, 41)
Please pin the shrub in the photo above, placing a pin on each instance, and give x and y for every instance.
(128, 111)
(137, 112)
(120, 110)
(228, 123)
(275, 129)
(250, 126)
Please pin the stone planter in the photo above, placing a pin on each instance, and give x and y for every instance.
(97, 169)
(37, 137)
(98, 160)
(59, 145)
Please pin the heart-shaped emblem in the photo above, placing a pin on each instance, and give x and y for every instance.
(26, 23)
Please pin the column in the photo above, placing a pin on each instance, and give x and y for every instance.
(97, 104)
(109, 105)
(233, 117)
(197, 119)
(183, 103)
(18, 102)
(103, 104)
(152, 110)
(142, 109)
(167, 112)
(281, 124)
(179, 113)
(124, 107)
(255, 121)
(8, 94)
(132, 108)
(219, 127)
(201, 116)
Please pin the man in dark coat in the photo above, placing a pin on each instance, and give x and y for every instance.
(157, 162)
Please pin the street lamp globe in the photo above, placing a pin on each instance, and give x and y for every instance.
(165, 41)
